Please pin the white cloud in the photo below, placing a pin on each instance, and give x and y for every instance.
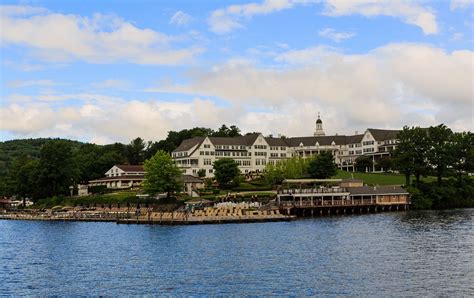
(100, 39)
(180, 18)
(388, 87)
(112, 84)
(31, 83)
(228, 19)
(12, 10)
(409, 12)
(311, 55)
(461, 4)
(110, 121)
(382, 87)
(335, 35)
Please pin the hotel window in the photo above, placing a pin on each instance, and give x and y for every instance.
(210, 171)
(282, 154)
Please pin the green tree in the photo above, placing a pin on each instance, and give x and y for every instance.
(363, 163)
(135, 151)
(462, 153)
(292, 168)
(438, 149)
(402, 155)
(224, 131)
(28, 181)
(385, 163)
(274, 174)
(322, 166)
(295, 167)
(410, 157)
(58, 168)
(226, 171)
(201, 173)
(419, 153)
(161, 175)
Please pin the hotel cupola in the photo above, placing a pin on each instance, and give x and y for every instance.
(319, 127)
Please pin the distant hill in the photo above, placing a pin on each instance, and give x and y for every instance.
(10, 150)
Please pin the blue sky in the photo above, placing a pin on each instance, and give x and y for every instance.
(106, 71)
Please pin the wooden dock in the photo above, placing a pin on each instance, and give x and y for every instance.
(335, 201)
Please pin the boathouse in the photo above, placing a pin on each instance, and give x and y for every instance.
(319, 196)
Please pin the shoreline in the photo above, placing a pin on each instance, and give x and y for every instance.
(177, 219)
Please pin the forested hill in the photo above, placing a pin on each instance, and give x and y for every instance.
(10, 150)
(46, 166)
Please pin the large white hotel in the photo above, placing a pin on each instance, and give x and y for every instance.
(253, 152)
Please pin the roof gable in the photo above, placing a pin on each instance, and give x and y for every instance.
(131, 168)
(188, 144)
(383, 134)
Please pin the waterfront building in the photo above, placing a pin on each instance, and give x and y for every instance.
(128, 176)
(121, 176)
(253, 152)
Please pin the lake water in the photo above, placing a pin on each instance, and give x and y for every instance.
(404, 253)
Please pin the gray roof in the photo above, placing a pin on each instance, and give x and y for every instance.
(377, 190)
(322, 140)
(131, 168)
(191, 179)
(246, 140)
(188, 144)
(384, 134)
(277, 142)
(354, 139)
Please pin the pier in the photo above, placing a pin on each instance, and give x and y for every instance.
(337, 200)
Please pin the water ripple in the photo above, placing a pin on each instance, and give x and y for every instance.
(387, 254)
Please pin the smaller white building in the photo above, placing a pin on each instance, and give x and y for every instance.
(122, 176)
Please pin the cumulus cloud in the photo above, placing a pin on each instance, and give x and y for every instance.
(100, 39)
(96, 119)
(334, 35)
(227, 19)
(409, 12)
(180, 18)
(388, 87)
(376, 88)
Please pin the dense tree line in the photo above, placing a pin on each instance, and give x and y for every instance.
(38, 168)
(437, 151)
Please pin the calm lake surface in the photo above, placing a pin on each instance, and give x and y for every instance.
(414, 253)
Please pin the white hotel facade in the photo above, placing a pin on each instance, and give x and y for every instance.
(254, 151)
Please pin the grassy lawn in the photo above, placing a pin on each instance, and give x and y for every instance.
(379, 178)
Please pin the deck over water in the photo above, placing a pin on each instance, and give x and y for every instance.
(311, 201)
